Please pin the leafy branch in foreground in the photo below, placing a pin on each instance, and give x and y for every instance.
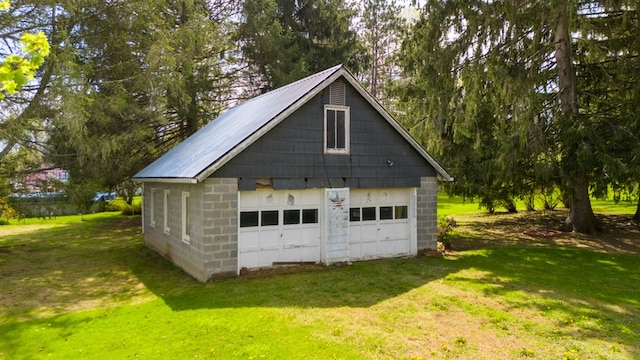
(17, 70)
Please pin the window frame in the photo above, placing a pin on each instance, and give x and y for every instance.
(165, 198)
(245, 216)
(287, 219)
(382, 213)
(386, 213)
(365, 213)
(336, 150)
(152, 206)
(309, 214)
(266, 216)
(355, 214)
(186, 217)
(402, 210)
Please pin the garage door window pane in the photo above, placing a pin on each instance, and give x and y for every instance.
(248, 218)
(291, 217)
(310, 216)
(354, 214)
(368, 213)
(386, 212)
(401, 212)
(269, 218)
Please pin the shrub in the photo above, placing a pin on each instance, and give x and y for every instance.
(122, 206)
(135, 209)
(445, 224)
(550, 201)
(116, 205)
(7, 209)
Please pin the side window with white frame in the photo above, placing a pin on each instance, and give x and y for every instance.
(336, 129)
(186, 217)
(166, 211)
(152, 211)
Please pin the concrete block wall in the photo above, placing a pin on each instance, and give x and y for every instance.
(212, 249)
(220, 227)
(187, 255)
(427, 213)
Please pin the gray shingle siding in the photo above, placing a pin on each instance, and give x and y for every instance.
(293, 152)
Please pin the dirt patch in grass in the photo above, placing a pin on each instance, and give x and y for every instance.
(273, 271)
(620, 234)
(5, 251)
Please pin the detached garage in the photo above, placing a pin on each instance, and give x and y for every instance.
(314, 172)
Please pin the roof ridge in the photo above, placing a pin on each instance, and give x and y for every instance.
(284, 87)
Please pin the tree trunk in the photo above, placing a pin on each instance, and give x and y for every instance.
(636, 217)
(374, 67)
(7, 149)
(567, 82)
(581, 218)
(510, 206)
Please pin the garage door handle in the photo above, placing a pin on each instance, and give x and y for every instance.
(291, 246)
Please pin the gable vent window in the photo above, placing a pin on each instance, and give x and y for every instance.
(337, 93)
(336, 129)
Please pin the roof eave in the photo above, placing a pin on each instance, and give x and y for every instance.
(166, 180)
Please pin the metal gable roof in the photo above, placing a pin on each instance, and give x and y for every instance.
(204, 152)
(209, 144)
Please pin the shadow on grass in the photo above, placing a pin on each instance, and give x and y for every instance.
(360, 285)
(620, 235)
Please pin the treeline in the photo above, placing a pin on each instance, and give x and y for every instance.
(515, 98)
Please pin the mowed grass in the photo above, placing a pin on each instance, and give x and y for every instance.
(91, 290)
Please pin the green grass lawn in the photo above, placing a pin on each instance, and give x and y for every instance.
(89, 289)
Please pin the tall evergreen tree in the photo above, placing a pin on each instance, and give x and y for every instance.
(520, 62)
(285, 40)
(145, 75)
(608, 54)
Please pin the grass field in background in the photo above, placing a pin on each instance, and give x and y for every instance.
(455, 205)
(75, 289)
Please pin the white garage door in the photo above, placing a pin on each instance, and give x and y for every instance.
(278, 226)
(379, 223)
